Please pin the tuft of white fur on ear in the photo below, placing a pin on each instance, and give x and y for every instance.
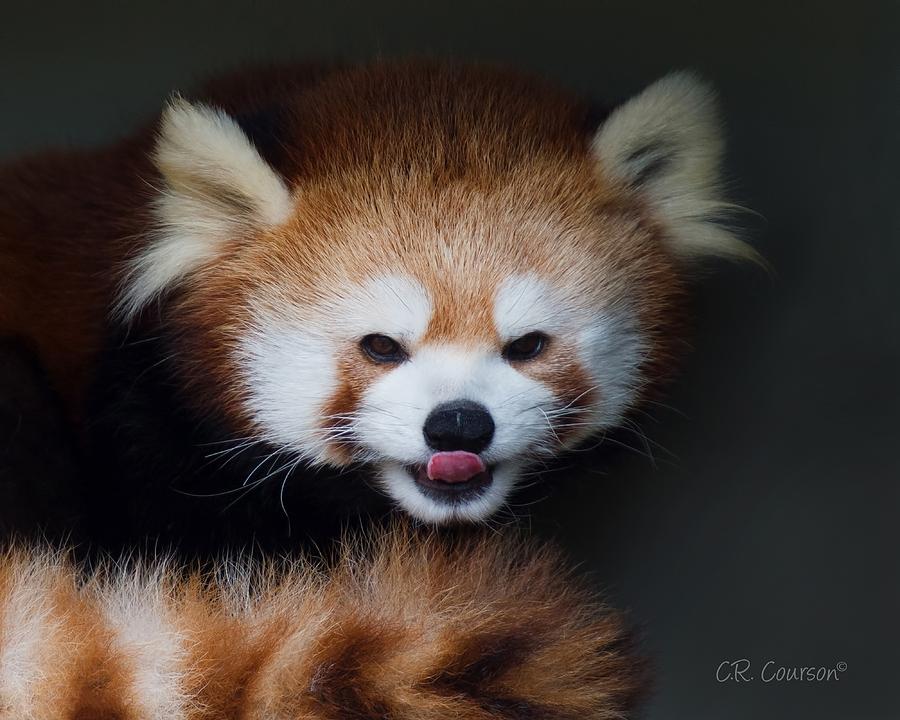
(215, 185)
(666, 143)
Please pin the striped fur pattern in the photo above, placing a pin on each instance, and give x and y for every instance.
(399, 627)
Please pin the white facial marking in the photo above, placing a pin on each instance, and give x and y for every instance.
(613, 350)
(289, 374)
(393, 412)
(290, 366)
(443, 373)
(525, 303)
(402, 488)
(290, 358)
(609, 343)
(392, 305)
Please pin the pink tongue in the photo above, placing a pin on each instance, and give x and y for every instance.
(454, 467)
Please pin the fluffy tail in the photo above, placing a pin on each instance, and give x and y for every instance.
(399, 627)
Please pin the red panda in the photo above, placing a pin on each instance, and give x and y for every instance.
(492, 630)
(440, 274)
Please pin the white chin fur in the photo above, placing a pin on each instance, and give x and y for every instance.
(403, 489)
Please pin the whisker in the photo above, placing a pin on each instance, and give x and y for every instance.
(261, 463)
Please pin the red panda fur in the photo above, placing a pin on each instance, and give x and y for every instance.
(70, 221)
(399, 626)
(211, 281)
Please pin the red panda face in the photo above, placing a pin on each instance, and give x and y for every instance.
(452, 360)
(445, 294)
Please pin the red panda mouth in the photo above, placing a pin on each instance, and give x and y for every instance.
(452, 476)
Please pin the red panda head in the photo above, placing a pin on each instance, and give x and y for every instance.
(445, 274)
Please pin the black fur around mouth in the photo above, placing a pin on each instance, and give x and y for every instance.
(451, 493)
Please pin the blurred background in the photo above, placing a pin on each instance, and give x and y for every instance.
(752, 516)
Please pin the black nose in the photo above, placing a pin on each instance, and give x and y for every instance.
(459, 425)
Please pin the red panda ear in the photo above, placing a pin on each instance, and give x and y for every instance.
(666, 144)
(215, 184)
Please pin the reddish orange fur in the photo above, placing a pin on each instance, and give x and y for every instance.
(357, 138)
(400, 626)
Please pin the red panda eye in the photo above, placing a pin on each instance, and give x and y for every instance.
(526, 347)
(382, 349)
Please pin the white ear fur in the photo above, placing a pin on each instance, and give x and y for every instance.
(215, 185)
(667, 144)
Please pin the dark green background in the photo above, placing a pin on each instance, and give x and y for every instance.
(768, 527)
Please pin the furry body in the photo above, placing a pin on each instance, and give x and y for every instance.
(398, 627)
(202, 293)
